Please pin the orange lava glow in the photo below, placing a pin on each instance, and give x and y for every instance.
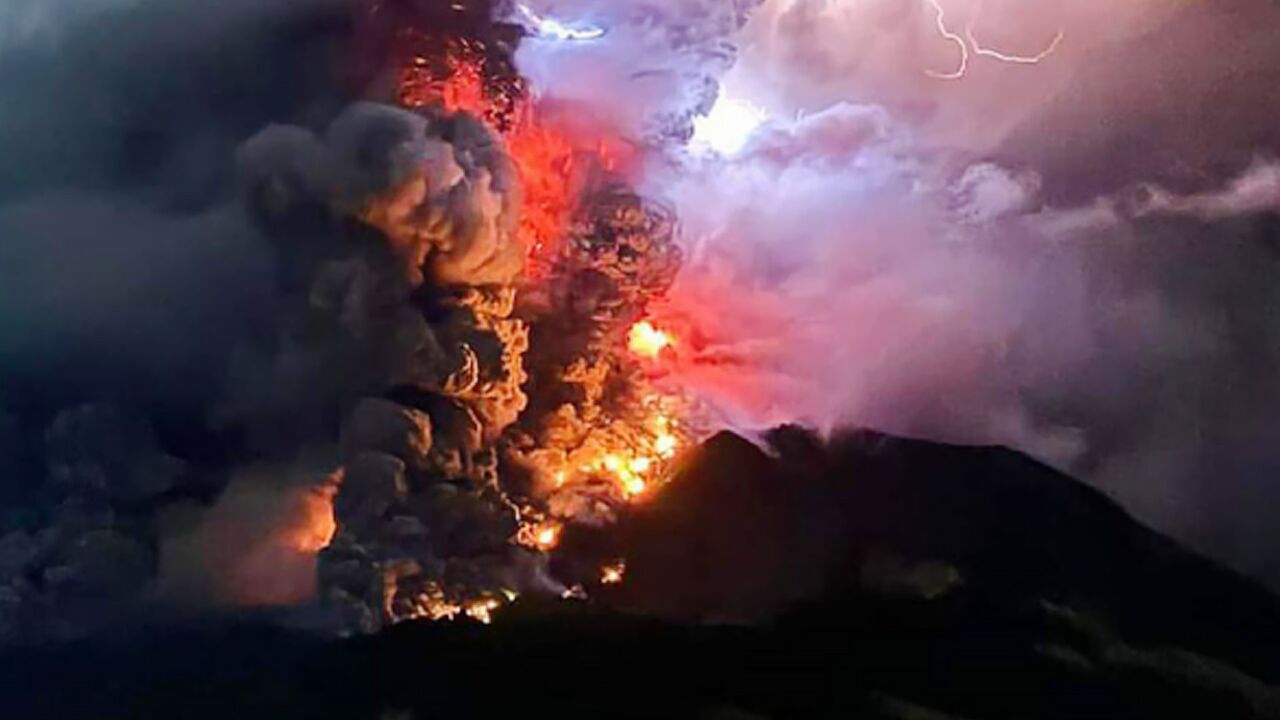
(666, 445)
(547, 537)
(482, 610)
(316, 524)
(632, 456)
(435, 604)
(613, 574)
(648, 341)
(465, 89)
(546, 155)
(544, 160)
(611, 452)
(543, 536)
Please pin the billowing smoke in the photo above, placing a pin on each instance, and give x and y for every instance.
(306, 373)
(987, 222)
(267, 339)
(225, 344)
(128, 276)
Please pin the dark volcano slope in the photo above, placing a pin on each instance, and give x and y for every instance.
(741, 534)
(866, 577)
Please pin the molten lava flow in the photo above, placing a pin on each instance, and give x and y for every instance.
(648, 341)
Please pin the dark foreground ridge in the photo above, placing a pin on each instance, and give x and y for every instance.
(867, 577)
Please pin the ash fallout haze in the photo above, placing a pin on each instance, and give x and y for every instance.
(350, 313)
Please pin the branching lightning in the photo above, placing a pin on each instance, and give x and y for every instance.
(940, 19)
(556, 30)
(978, 49)
(969, 46)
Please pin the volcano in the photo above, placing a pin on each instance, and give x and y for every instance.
(641, 358)
(867, 576)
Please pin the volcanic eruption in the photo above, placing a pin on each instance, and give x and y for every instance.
(433, 382)
(444, 358)
(436, 331)
(489, 275)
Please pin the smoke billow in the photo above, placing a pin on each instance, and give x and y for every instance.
(266, 340)
(201, 318)
(297, 375)
(127, 276)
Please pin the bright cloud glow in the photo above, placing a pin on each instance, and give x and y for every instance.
(556, 30)
(729, 125)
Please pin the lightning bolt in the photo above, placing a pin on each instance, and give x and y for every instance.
(940, 18)
(556, 30)
(969, 45)
(1016, 59)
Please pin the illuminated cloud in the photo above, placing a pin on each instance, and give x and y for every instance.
(729, 125)
(551, 28)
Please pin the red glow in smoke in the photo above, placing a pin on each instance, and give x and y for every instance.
(552, 157)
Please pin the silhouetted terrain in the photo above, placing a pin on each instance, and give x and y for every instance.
(864, 577)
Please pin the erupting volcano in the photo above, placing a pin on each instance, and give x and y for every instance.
(437, 338)
(564, 421)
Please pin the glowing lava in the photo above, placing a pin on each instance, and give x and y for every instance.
(613, 574)
(482, 610)
(545, 156)
(615, 443)
(648, 341)
(547, 537)
(666, 445)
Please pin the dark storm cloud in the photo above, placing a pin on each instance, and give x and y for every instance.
(153, 92)
(123, 272)
(1185, 103)
(104, 294)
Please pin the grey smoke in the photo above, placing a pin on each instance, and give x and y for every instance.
(129, 271)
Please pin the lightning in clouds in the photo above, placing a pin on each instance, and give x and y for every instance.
(969, 45)
(940, 18)
(729, 125)
(557, 30)
(978, 49)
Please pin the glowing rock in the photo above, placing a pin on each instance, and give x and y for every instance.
(648, 341)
